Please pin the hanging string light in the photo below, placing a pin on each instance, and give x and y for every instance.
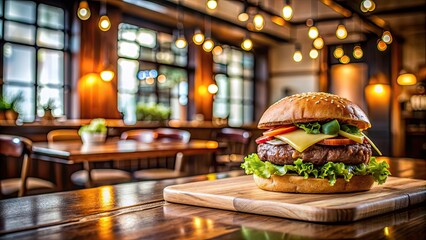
(297, 56)
(381, 46)
(198, 37)
(387, 37)
(313, 54)
(367, 6)
(341, 32)
(104, 22)
(287, 10)
(243, 16)
(211, 4)
(358, 53)
(344, 59)
(208, 44)
(258, 21)
(318, 43)
(217, 50)
(83, 11)
(338, 52)
(180, 41)
(313, 32)
(247, 44)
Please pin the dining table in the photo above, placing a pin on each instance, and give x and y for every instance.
(66, 153)
(138, 210)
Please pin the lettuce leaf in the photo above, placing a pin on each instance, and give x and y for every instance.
(379, 170)
(310, 128)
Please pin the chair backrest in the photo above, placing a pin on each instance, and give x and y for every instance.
(237, 140)
(63, 135)
(19, 149)
(157, 135)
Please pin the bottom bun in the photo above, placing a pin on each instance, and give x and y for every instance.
(297, 184)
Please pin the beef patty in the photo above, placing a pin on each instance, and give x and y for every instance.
(317, 154)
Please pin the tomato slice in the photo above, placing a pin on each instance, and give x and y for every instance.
(280, 130)
(336, 141)
(263, 139)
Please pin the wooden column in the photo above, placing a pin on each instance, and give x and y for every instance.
(203, 78)
(97, 50)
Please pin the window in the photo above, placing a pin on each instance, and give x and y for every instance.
(150, 70)
(233, 70)
(33, 44)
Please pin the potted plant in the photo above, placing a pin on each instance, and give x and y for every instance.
(48, 109)
(152, 112)
(9, 108)
(95, 132)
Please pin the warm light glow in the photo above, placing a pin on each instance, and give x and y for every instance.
(341, 32)
(313, 32)
(258, 22)
(211, 4)
(202, 90)
(318, 43)
(149, 81)
(297, 56)
(367, 6)
(344, 59)
(358, 53)
(181, 42)
(104, 23)
(83, 11)
(213, 88)
(387, 37)
(406, 79)
(378, 88)
(382, 46)
(217, 50)
(161, 78)
(198, 37)
(91, 78)
(313, 53)
(386, 231)
(243, 17)
(247, 44)
(338, 52)
(107, 75)
(208, 45)
(287, 12)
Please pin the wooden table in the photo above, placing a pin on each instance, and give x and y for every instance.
(138, 211)
(72, 152)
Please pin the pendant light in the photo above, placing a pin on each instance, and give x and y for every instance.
(313, 54)
(338, 52)
(198, 37)
(358, 53)
(387, 37)
(83, 11)
(287, 10)
(104, 22)
(243, 16)
(297, 56)
(318, 42)
(247, 44)
(258, 21)
(211, 4)
(180, 41)
(208, 44)
(341, 32)
(406, 79)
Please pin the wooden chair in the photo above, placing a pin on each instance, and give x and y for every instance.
(16, 151)
(90, 176)
(238, 141)
(163, 136)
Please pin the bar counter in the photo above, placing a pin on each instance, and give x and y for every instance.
(138, 210)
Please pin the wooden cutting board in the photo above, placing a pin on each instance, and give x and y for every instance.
(241, 194)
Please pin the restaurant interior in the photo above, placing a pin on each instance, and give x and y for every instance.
(134, 119)
(199, 70)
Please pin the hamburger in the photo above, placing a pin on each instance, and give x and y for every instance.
(314, 143)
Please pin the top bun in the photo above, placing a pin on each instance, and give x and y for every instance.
(313, 107)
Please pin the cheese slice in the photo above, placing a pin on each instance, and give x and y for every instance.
(300, 140)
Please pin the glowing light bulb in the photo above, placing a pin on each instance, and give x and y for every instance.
(338, 52)
(243, 17)
(313, 32)
(104, 23)
(345, 59)
(313, 53)
(297, 56)
(107, 75)
(258, 22)
(387, 37)
(318, 43)
(83, 11)
(217, 50)
(212, 88)
(247, 44)
(208, 45)
(198, 37)
(287, 12)
(358, 53)
(381, 46)
(211, 4)
(181, 42)
(341, 32)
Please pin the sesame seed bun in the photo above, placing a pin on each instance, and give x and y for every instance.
(313, 107)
